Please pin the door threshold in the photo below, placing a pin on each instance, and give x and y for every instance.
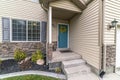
(59, 49)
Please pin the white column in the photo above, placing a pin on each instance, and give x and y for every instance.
(50, 25)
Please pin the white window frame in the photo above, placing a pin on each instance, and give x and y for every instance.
(26, 30)
(2, 26)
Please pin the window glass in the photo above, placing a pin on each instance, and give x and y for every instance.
(18, 30)
(6, 29)
(37, 1)
(33, 31)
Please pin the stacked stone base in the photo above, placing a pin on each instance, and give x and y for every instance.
(7, 49)
(110, 58)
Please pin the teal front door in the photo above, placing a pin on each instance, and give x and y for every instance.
(63, 36)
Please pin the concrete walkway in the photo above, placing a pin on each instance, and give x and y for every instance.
(62, 77)
(112, 76)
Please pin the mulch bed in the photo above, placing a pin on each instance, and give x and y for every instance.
(9, 66)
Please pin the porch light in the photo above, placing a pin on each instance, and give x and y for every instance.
(113, 24)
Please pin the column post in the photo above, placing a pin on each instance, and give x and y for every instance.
(50, 25)
(50, 49)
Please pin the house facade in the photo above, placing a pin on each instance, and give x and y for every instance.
(83, 26)
(17, 14)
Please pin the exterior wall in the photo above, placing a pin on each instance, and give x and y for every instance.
(26, 10)
(111, 12)
(22, 9)
(84, 34)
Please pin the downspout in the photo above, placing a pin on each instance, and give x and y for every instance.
(46, 9)
(102, 71)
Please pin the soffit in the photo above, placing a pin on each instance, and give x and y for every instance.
(66, 5)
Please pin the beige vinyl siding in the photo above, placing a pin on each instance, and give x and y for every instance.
(65, 4)
(111, 11)
(0, 30)
(84, 34)
(21, 9)
(55, 28)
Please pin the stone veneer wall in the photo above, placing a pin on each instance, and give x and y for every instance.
(50, 48)
(7, 49)
(49, 51)
(110, 58)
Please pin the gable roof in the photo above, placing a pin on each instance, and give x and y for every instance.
(82, 4)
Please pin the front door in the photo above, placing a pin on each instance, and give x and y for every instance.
(62, 35)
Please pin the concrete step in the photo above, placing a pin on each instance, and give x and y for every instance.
(82, 69)
(73, 63)
(90, 76)
(58, 56)
(71, 57)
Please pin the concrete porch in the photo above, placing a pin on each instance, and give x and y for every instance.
(57, 56)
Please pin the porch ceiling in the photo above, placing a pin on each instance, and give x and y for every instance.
(62, 14)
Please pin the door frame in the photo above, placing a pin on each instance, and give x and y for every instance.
(116, 29)
(58, 35)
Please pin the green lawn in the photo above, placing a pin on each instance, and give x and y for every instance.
(31, 77)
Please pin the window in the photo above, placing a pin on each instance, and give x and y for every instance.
(6, 29)
(25, 31)
(18, 30)
(37, 1)
(33, 31)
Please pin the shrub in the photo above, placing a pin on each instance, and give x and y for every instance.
(0, 61)
(57, 70)
(0, 64)
(36, 56)
(19, 55)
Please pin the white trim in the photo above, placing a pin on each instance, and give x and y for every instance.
(27, 30)
(41, 31)
(23, 41)
(10, 29)
(58, 35)
(50, 25)
(35, 1)
(117, 65)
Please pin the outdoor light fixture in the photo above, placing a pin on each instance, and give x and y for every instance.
(113, 24)
(34, 24)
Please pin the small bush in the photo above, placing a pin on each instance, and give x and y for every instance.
(0, 61)
(0, 64)
(19, 55)
(57, 70)
(36, 56)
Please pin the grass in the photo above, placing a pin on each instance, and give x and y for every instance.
(31, 77)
